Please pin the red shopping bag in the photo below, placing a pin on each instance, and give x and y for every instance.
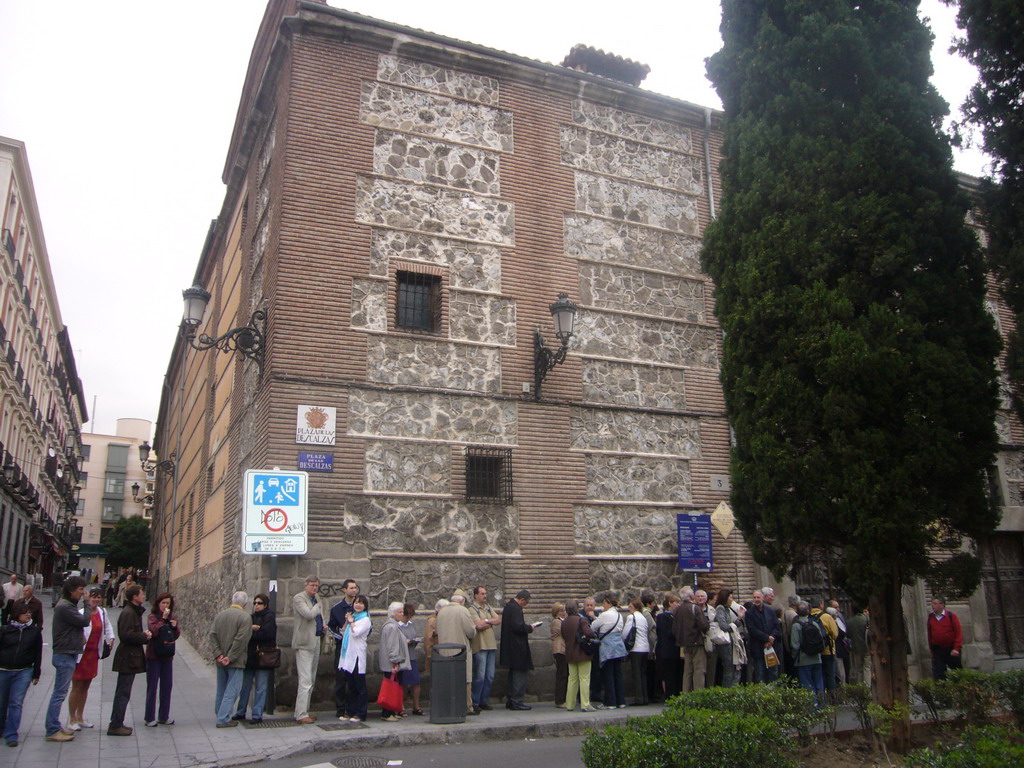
(390, 697)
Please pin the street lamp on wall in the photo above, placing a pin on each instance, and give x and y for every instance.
(147, 499)
(246, 340)
(563, 312)
(167, 465)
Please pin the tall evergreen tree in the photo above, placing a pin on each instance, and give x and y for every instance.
(994, 43)
(858, 359)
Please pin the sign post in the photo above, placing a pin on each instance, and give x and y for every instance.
(274, 517)
(693, 533)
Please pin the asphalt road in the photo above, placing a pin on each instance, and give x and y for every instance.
(535, 753)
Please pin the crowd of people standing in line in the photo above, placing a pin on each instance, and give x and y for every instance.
(687, 642)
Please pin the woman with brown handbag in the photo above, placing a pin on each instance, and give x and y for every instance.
(264, 656)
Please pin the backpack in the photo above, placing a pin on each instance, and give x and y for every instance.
(630, 638)
(163, 642)
(812, 642)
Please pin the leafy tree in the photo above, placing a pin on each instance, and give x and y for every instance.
(128, 544)
(858, 359)
(994, 43)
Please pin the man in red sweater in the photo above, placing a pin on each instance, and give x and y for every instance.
(945, 638)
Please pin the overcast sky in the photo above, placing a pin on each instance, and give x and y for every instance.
(126, 109)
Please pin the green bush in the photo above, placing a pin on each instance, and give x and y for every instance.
(935, 695)
(973, 695)
(988, 747)
(695, 738)
(858, 696)
(791, 707)
(1009, 688)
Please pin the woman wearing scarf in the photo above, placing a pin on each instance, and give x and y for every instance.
(264, 635)
(352, 659)
(21, 659)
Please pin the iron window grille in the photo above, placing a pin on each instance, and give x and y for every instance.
(489, 475)
(418, 303)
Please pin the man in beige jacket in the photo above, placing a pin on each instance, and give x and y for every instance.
(309, 626)
(455, 625)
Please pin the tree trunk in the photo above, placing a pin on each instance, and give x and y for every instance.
(888, 643)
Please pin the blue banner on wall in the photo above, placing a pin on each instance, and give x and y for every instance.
(694, 537)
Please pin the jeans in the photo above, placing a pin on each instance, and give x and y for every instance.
(943, 659)
(810, 678)
(13, 684)
(828, 672)
(64, 667)
(229, 682)
(122, 695)
(159, 673)
(730, 675)
(483, 675)
(613, 683)
(340, 684)
(257, 681)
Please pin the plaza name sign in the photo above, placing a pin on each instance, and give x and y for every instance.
(315, 425)
(274, 516)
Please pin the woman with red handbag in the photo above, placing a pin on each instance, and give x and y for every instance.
(392, 657)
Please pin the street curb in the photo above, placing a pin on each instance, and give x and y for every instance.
(442, 735)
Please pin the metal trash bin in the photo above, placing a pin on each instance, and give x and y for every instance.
(448, 683)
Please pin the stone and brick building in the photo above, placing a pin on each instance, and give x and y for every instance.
(405, 207)
(42, 405)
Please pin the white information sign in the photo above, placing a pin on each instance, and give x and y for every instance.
(316, 424)
(275, 512)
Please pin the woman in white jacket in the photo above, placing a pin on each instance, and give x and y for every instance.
(352, 659)
(639, 652)
(98, 634)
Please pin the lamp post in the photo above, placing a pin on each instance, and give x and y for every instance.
(167, 465)
(247, 340)
(563, 312)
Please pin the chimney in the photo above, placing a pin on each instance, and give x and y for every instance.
(594, 61)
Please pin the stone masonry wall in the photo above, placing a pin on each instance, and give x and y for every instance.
(423, 362)
(432, 417)
(658, 341)
(408, 467)
(632, 530)
(434, 211)
(617, 242)
(414, 158)
(634, 432)
(643, 386)
(473, 267)
(646, 293)
(430, 77)
(637, 479)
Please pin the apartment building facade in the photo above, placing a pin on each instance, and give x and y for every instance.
(42, 405)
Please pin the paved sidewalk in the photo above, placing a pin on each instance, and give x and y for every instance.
(194, 740)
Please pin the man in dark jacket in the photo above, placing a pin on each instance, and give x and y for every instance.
(689, 623)
(515, 649)
(34, 605)
(68, 642)
(763, 631)
(21, 660)
(130, 656)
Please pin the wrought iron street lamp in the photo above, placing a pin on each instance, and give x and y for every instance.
(167, 465)
(246, 340)
(147, 499)
(563, 312)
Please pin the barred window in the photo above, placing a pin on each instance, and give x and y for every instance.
(489, 475)
(419, 302)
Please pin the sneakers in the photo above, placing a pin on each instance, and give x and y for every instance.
(391, 719)
(589, 709)
(86, 724)
(228, 724)
(355, 719)
(306, 720)
(119, 731)
(74, 727)
(151, 723)
(162, 722)
(599, 705)
(61, 736)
